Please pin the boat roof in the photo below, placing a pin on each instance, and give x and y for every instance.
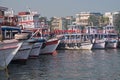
(3, 8)
(10, 28)
(77, 34)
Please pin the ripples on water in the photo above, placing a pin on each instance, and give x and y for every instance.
(70, 65)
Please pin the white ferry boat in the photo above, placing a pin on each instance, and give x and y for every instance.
(75, 41)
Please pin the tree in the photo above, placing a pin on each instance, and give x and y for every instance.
(43, 19)
(103, 21)
(117, 22)
(50, 23)
(93, 20)
(51, 19)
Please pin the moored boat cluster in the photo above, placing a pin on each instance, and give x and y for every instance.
(23, 37)
(21, 48)
(78, 41)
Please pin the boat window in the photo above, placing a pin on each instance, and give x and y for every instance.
(29, 18)
(113, 36)
(19, 19)
(63, 37)
(24, 18)
(9, 34)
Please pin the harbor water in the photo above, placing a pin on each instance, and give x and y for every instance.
(70, 65)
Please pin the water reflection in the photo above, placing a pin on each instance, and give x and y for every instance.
(70, 65)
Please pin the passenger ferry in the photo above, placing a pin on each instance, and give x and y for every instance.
(111, 37)
(75, 41)
(30, 21)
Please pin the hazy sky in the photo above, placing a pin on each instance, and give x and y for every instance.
(62, 8)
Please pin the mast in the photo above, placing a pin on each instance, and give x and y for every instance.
(29, 10)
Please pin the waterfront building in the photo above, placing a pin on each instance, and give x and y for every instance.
(44, 24)
(58, 23)
(82, 18)
(115, 15)
(111, 16)
(69, 20)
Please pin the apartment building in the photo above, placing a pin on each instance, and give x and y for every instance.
(58, 23)
(69, 20)
(111, 16)
(82, 18)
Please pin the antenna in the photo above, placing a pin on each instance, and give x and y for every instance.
(12, 11)
(29, 9)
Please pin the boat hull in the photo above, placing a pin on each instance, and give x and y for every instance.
(81, 46)
(87, 46)
(99, 44)
(7, 52)
(23, 53)
(50, 46)
(35, 50)
(111, 44)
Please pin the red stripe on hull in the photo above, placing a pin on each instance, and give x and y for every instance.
(26, 21)
(52, 42)
(33, 56)
(48, 53)
(8, 47)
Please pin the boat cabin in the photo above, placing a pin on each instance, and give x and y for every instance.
(8, 32)
(7, 17)
(28, 20)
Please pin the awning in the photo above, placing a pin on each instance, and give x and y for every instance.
(3, 8)
(8, 28)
